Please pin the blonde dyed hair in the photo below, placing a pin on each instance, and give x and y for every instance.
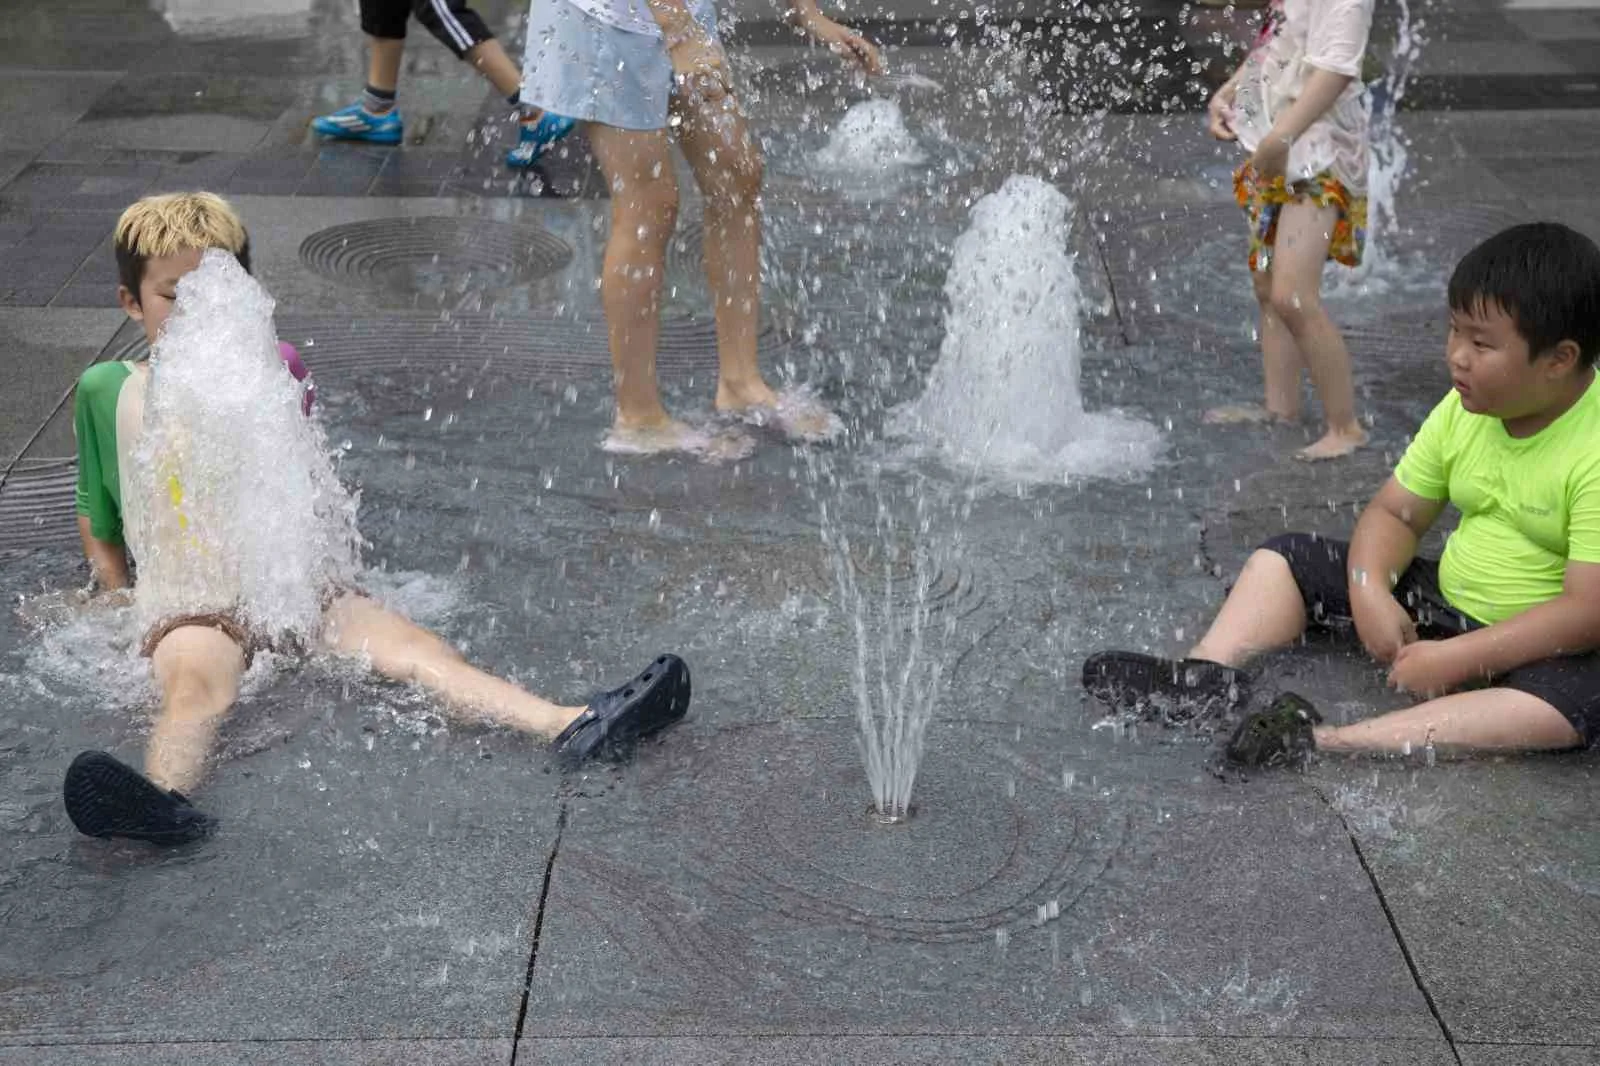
(164, 225)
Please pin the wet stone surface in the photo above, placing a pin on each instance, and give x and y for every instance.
(1070, 889)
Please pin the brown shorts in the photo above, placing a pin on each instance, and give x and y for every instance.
(250, 642)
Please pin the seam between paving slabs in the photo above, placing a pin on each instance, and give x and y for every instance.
(1394, 926)
(538, 928)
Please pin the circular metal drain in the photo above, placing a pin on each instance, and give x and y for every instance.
(435, 254)
(995, 841)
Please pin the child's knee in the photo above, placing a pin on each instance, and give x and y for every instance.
(1293, 305)
(738, 184)
(198, 669)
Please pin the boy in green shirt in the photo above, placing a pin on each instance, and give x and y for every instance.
(200, 650)
(1499, 636)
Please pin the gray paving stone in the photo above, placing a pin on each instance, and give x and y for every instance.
(1527, 1055)
(735, 886)
(1497, 919)
(270, 1053)
(932, 1051)
(37, 106)
(374, 878)
(46, 350)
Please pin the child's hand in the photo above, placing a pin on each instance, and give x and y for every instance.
(843, 42)
(1382, 624)
(699, 67)
(1271, 158)
(1429, 668)
(1220, 113)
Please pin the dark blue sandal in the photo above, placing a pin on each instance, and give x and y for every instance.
(108, 798)
(614, 722)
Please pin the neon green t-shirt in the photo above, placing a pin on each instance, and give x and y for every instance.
(94, 420)
(1528, 506)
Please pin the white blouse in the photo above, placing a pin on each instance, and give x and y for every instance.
(1302, 35)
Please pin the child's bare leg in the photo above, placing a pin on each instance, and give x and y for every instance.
(644, 212)
(383, 62)
(489, 59)
(404, 651)
(1281, 364)
(1301, 249)
(198, 669)
(1264, 611)
(1491, 719)
(727, 165)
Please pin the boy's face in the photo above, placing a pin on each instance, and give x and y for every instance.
(1493, 370)
(158, 290)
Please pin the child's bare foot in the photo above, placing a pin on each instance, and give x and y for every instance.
(723, 445)
(795, 413)
(1243, 414)
(1335, 444)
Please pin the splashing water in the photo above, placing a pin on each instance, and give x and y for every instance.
(1381, 271)
(900, 657)
(1004, 394)
(233, 503)
(871, 137)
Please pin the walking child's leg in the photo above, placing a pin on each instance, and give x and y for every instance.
(198, 669)
(1305, 232)
(644, 211)
(403, 651)
(1281, 364)
(489, 59)
(727, 165)
(1490, 719)
(383, 65)
(1265, 610)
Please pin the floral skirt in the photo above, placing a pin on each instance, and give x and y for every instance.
(1263, 202)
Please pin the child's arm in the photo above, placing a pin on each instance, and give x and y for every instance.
(842, 40)
(1383, 545)
(1566, 625)
(94, 407)
(1322, 89)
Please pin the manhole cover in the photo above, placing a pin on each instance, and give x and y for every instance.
(435, 254)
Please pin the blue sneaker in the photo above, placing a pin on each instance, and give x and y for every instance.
(536, 139)
(355, 123)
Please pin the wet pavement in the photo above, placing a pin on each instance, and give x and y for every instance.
(390, 888)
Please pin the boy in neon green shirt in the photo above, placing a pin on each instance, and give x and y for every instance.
(200, 648)
(1499, 636)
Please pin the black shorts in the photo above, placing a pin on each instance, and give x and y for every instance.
(1570, 684)
(458, 27)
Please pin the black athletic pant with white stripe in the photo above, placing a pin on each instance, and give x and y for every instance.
(458, 27)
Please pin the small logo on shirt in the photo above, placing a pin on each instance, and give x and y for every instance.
(1542, 512)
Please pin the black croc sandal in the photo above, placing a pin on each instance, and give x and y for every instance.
(108, 798)
(1281, 735)
(1179, 688)
(615, 721)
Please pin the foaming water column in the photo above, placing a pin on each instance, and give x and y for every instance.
(233, 504)
(1004, 395)
(871, 136)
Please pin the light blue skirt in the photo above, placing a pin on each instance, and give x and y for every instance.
(578, 66)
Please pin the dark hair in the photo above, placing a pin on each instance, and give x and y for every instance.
(1545, 276)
